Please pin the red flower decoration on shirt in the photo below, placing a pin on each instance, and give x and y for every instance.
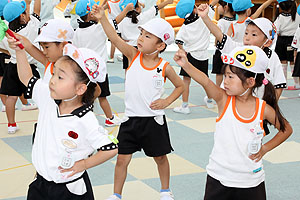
(73, 135)
(268, 70)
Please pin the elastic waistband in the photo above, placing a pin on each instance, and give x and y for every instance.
(38, 176)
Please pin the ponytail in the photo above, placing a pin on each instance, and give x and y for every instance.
(290, 7)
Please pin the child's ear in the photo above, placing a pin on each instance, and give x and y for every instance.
(161, 46)
(269, 43)
(81, 89)
(251, 82)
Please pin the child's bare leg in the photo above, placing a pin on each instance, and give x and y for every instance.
(186, 91)
(163, 170)
(112, 51)
(10, 108)
(23, 100)
(104, 104)
(121, 172)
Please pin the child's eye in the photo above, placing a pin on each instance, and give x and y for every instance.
(253, 34)
(59, 77)
(147, 36)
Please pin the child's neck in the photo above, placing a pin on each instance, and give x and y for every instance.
(228, 14)
(67, 107)
(242, 17)
(150, 61)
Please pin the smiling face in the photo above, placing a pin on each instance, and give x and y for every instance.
(254, 36)
(148, 43)
(52, 50)
(63, 84)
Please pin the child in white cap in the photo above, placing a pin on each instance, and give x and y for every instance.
(243, 9)
(91, 35)
(129, 26)
(224, 9)
(287, 23)
(16, 13)
(195, 45)
(67, 131)
(235, 170)
(146, 127)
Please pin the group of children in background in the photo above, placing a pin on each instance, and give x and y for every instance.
(250, 77)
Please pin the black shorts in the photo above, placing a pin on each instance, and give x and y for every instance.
(104, 87)
(201, 65)
(144, 133)
(11, 84)
(217, 63)
(43, 189)
(296, 72)
(3, 58)
(215, 190)
(283, 48)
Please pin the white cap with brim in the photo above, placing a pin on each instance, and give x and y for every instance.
(250, 58)
(161, 29)
(89, 61)
(55, 30)
(266, 26)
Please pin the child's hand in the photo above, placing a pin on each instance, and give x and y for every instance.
(203, 10)
(98, 11)
(180, 57)
(170, 1)
(257, 157)
(13, 43)
(79, 166)
(129, 7)
(159, 104)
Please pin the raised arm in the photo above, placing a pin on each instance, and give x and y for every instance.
(122, 15)
(24, 69)
(213, 28)
(164, 4)
(261, 9)
(37, 7)
(126, 49)
(214, 2)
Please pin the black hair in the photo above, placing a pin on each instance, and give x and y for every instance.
(241, 12)
(288, 7)
(88, 96)
(15, 24)
(159, 41)
(223, 4)
(133, 14)
(84, 18)
(269, 92)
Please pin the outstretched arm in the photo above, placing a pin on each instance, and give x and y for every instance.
(123, 14)
(23, 67)
(164, 4)
(213, 28)
(261, 9)
(37, 7)
(126, 49)
(211, 89)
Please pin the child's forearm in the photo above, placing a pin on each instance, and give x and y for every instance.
(164, 4)
(123, 14)
(24, 69)
(261, 9)
(37, 7)
(99, 158)
(214, 2)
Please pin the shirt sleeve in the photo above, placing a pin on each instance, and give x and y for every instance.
(180, 39)
(99, 137)
(227, 44)
(278, 79)
(211, 12)
(38, 91)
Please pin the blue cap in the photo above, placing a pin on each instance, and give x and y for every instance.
(84, 7)
(241, 5)
(298, 10)
(2, 5)
(124, 3)
(184, 8)
(13, 10)
(228, 1)
(279, 1)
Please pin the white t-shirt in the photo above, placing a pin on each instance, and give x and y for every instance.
(224, 23)
(285, 26)
(30, 31)
(92, 37)
(229, 160)
(296, 40)
(193, 42)
(76, 135)
(274, 72)
(113, 9)
(129, 31)
(238, 30)
(143, 86)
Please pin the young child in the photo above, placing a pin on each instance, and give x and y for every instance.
(243, 10)
(146, 127)
(129, 26)
(235, 169)
(296, 47)
(85, 36)
(228, 16)
(195, 45)
(21, 22)
(67, 130)
(286, 23)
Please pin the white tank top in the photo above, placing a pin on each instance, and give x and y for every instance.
(143, 86)
(238, 30)
(113, 9)
(229, 160)
(48, 72)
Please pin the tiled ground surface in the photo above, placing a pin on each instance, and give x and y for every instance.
(192, 139)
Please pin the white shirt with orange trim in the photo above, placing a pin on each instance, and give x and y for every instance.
(238, 30)
(48, 72)
(229, 160)
(113, 9)
(143, 85)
